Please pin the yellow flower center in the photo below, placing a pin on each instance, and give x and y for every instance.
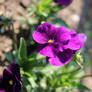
(50, 41)
(11, 82)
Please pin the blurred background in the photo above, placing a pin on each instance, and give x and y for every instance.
(78, 16)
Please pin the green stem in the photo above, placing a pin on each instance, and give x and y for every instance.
(27, 74)
(82, 77)
(14, 38)
(39, 59)
(71, 71)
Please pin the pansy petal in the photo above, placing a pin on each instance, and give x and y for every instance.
(18, 86)
(40, 37)
(15, 69)
(9, 79)
(60, 47)
(9, 89)
(62, 58)
(82, 37)
(7, 74)
(2, 91)
(46, 28)
(44, 32)
(55, 61)
(72, 32)
(1, 83)
(47, 50)
(62, 34)
(74, 44)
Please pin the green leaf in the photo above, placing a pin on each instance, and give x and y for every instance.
(31, 11)
(25, 80)
(80, 86)
(32, 82)
(49, 70)
(22, 50)
(28, 88)
(2, 29)
(58, 21)
(28, 65)
(12, 56)
(9, 56)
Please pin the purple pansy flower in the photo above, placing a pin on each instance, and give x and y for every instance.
(57, 43)
(63, 2)
(51, 39)
(10, 81)
(73, 45)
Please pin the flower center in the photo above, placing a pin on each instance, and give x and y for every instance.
(50, 41)
(11, 82)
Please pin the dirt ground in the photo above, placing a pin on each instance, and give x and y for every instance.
(12, 9)
(77, 15)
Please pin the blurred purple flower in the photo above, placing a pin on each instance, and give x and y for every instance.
(63, 2)
(11, 79)
(57, 43)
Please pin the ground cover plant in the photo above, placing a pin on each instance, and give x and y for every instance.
(55, 61)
